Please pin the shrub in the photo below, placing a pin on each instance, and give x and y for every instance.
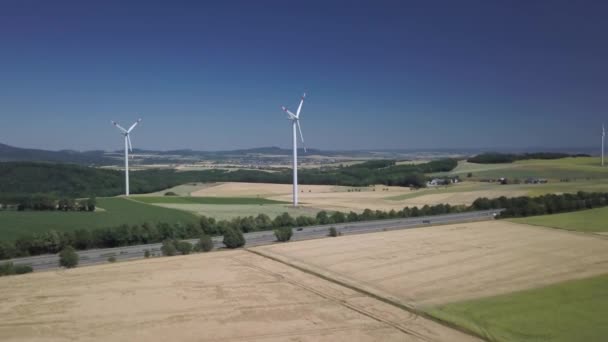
(184, 247)
(146, 253)
(112, 259)
(233, 238)
(170, 193)
(204, 244)
(168, 248)
(7, 250)
(283, 234)
(22, 269)
(333, 232)
(68, 257)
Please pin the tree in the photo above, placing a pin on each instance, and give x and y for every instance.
(7, 250)
(233, 238)
(204, 244)
(263, 221)
(68, 257)
(283, 234)
(208, 225)
(338, 217)
(322, 217)
(168, 248)
(184, 247)
(91, 204)
(147, 253)
(284, 220)
(333, 232)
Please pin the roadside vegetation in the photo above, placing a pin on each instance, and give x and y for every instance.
(572, 311)
(53, 241)
(8, 268)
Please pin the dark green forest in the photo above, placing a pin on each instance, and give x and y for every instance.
(501, 158)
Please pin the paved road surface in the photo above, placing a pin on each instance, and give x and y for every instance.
(96, 256)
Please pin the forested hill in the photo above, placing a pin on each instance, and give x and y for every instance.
(11, 153)
(499, 158)
(19, 178)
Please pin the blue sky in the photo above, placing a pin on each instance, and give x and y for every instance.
(379, 74)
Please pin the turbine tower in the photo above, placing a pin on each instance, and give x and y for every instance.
(603, 138)
(128, 146)
(295, 121)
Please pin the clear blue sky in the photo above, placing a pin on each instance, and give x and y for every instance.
(379, 74)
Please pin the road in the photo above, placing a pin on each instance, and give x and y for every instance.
(97, 256)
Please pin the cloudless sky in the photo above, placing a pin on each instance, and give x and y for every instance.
(212, 75)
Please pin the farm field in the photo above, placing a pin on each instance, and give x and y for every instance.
(592, 220)
(228, 211)
(204, 200)
(220, 296)
(111, 212)
(571, 311)
(432, 266)
(571, 168)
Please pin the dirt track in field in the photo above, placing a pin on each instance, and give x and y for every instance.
(220, 296)
(443, 264)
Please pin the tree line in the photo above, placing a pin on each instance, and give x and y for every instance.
(500, 158)
(547, 204)
(46, 202)
(53, 241)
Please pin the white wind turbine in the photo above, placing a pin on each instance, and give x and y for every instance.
(603, 138)
(128, 146)
(295, 121)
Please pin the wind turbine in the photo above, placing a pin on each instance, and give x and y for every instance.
(603, 138)
(295, 121)
(128, 146)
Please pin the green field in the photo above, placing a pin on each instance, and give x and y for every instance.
(205, 200)
(592, 220)
(572, 168)
(112, 212)
(552, 187)
(571, 311)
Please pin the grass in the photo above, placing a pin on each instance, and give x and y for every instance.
(205, 200)
(116, 211)
(571, 311)
(596, 185)
(592, 220)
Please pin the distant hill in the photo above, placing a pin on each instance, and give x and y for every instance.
(11, 153)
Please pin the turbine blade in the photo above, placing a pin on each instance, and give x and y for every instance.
(301, 136)
(133, 125)
(300, 106)
(119, 126)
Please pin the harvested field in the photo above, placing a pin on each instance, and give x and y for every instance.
(229, 211)
(326, 197)
(222, 296)
(430, 266)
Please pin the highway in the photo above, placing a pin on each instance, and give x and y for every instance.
(98, 256)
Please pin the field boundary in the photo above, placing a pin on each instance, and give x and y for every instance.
(385, 299)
